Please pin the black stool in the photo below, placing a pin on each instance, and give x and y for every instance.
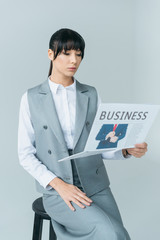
(41, 214)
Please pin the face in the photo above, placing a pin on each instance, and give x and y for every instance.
(66, 63)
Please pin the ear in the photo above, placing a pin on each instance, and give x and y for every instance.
(50, 54)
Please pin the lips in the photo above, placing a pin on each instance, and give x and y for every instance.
(72, 68)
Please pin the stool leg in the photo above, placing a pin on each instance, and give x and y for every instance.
(52, 235)
(37, 229)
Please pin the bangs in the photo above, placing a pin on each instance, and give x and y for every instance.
(68, 44)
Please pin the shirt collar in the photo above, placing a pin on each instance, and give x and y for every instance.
(55, 86)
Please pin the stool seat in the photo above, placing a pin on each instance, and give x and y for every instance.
(40, 215)
(38, 208)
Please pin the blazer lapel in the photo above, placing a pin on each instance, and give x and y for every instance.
(81, 110)
(49, 108)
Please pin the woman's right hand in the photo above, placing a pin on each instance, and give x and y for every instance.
(70, 192)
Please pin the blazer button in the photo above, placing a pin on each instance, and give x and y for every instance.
(97, 171)
(49, 151)
(87, 123)
(45, 127)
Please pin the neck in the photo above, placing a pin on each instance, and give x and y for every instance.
(65, 81)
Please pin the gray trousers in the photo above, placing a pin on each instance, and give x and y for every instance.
(101, 220)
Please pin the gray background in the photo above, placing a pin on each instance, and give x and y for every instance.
(121, 60)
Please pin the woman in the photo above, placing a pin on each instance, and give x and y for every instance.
(54, 121)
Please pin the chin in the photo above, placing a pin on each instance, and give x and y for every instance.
(70, 75)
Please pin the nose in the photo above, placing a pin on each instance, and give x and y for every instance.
(73, 58)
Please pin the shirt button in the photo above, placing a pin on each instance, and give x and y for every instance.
(45, 127)
(87, 123)
(49, 151)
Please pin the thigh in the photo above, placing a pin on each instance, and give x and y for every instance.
(83, 220)
(92, 222)
(105, 200)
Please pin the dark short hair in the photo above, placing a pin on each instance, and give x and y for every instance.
(66, 39)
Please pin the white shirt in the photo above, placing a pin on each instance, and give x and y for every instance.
(65, 102)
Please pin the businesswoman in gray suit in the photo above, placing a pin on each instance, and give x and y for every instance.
(54, 121)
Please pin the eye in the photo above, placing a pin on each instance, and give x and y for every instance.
(79, 54)
(65, 53)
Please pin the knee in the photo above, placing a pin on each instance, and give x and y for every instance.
(112, 231)
(106, 231)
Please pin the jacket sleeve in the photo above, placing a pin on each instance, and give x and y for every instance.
(26, 149)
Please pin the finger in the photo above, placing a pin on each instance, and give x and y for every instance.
(70, 205)
(138, 150)
(141, 145)
(81, 199)
(138, 155)
(88, 199)
(80, 191)
(78, 203)
(80, 194)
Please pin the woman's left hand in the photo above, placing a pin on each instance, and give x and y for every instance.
(139, 150)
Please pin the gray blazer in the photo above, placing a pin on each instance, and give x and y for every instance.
(49, 140)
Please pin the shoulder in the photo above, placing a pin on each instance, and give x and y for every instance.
(35, 89)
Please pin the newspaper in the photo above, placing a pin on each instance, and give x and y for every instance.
(118, 126)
